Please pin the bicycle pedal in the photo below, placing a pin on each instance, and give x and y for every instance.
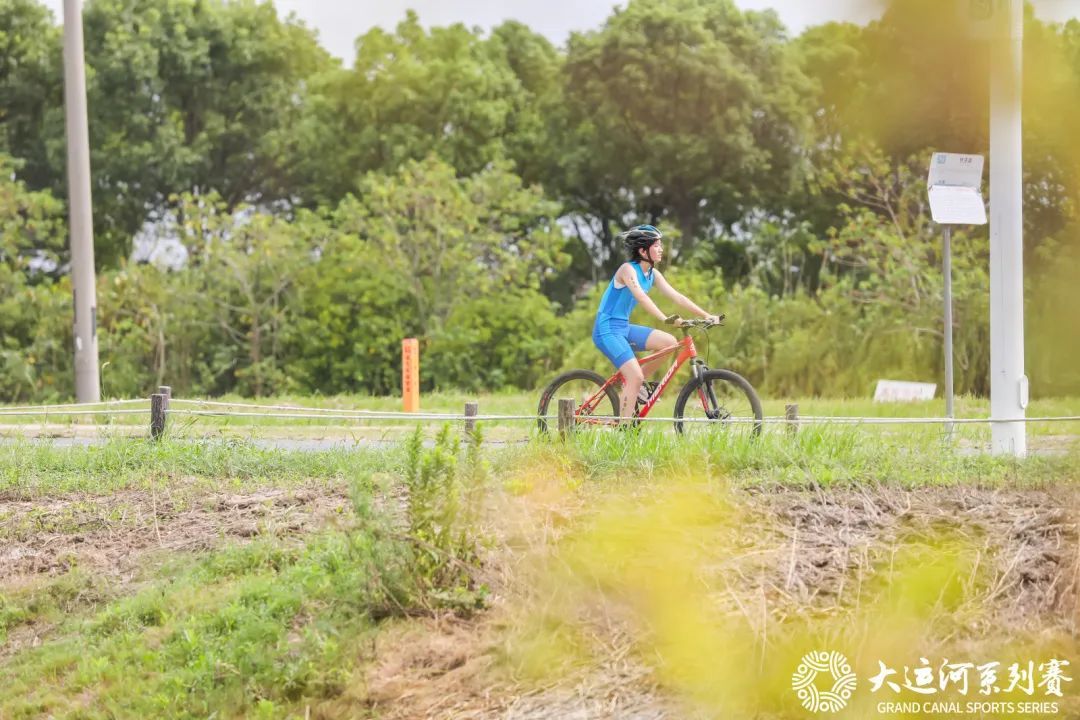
(647, 389)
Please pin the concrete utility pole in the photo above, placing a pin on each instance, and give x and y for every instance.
(946, 273)
(80, 213)
(1008, 384)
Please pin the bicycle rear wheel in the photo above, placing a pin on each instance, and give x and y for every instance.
(718, 401)
(583, 386)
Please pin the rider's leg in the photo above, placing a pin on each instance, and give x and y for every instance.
(657, 340)
(632, 379)
(615, 346)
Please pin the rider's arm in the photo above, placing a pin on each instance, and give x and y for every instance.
(677, 297)
(628, 277)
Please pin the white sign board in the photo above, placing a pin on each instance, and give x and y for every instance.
(956, 170)
(902, 391)
(953, 182)
(956, 205)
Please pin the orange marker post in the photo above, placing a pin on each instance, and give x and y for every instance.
(410, 374)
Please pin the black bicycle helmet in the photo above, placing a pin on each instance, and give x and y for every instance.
(640, 237)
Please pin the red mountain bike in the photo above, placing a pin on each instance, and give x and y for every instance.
(712, 399)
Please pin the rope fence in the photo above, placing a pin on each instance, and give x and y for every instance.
(450, 417)
(161, 405)
(64, 412)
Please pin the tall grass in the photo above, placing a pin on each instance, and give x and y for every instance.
(822, 455)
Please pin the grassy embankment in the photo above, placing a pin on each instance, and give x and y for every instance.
(195, 613)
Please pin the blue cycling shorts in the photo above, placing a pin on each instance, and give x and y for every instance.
(618, 339)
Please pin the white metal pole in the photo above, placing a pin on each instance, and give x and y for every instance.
(1008, 385)
(80, 214)
(947, 274)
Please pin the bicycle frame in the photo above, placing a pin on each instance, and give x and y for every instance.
(686, 351)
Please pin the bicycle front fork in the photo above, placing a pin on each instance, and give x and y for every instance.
(708, 395)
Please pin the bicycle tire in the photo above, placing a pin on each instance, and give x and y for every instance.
(718, 376)
(552, 388)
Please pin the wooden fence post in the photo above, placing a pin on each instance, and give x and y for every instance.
(791, 416)
(158, 407)
(472, 409)
(566, 416)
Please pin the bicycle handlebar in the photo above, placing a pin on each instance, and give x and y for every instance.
(685, 324)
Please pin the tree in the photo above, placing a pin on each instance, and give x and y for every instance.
(452, 238)
(537, 67)
(688, 111)
(926, 59)
(422, 252)
(497, 341)
(412, 93)
(242, 267)
(189, 95)
(30, 89)
(833, 57)
(35, 319)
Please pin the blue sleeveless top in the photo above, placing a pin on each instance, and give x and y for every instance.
(616, 304)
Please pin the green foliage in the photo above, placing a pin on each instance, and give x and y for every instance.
(30, 87)
(35, 336)
(438, 233)
(422, 252)
(497, 342)
(413, 93)
(445, 486)
(688, 111)
(189, 96)
(350, 317)
(790, 189)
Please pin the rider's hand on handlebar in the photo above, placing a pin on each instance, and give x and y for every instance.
(707, 321)
(674, 320)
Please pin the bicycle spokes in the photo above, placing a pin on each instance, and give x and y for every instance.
(718, 406)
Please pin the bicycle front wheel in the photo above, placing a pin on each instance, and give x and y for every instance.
(584, 388)
(718, 401)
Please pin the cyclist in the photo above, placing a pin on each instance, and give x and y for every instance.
(613, 334)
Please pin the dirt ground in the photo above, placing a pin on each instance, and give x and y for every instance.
(112, 534)
(800, 552)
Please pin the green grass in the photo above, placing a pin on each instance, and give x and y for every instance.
(31, 469)
(260, 631)
(825, 456)
(49, 602)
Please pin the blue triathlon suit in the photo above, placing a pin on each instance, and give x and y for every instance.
(612, 331)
